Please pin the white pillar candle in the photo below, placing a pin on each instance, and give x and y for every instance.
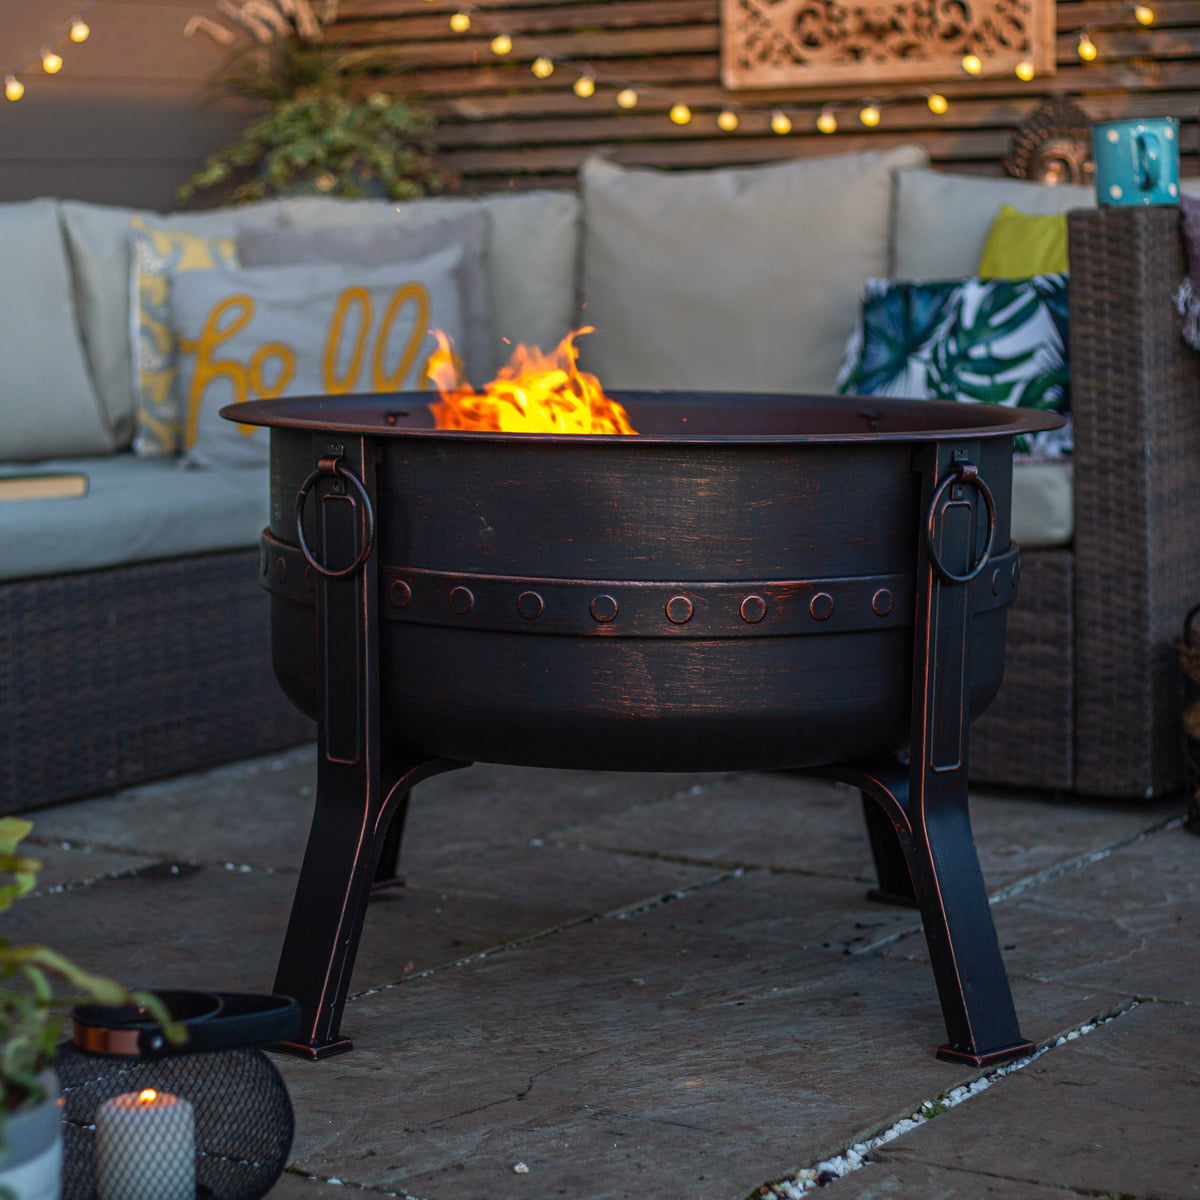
(145, 1147)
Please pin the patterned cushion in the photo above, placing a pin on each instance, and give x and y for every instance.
(996, 341)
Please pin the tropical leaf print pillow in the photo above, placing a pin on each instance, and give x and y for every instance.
(997, 341)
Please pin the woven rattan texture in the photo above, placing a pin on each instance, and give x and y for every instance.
(1136, 402)
(111, 678)
(1025, 738)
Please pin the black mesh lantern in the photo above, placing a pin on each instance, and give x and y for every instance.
(145, 1120)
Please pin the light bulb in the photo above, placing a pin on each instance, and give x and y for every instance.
(1025, 70)
(585, 86)
(627, 98)
(502, 44)
(727, 120)
(460, 22)
(14, 89)
(937, 103)
(1086, 48)
(680, 114)
(827, 122)
(51, 62)
(79, 30)
(781, 123)
(542, 67)
(869, 115)
(972, 64)
(1143, 14)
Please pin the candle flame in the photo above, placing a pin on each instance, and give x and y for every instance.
(147, 1096)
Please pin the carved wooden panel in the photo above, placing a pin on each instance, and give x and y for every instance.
(795, 43)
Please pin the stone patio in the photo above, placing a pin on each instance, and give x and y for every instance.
(602, 985)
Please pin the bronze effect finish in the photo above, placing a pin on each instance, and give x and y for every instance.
(757, 582)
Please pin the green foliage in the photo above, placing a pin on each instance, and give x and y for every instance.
(319, 131)
(32, 1011)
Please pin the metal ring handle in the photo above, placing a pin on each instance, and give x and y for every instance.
(966, 473)
(335, 467)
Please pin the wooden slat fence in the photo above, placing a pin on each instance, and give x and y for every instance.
(500, 127)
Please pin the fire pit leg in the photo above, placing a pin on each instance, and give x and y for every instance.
(891, 865)
(359, 792)
(387, 874)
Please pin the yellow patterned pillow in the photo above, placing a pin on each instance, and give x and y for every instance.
(157, 255)
(1020, 246)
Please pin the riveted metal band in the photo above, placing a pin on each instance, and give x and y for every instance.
(637, 608)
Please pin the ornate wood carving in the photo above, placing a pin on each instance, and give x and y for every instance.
(796, 43)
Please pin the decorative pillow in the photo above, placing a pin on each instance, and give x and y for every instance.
(1020, 246)
(97, 238)
(159, 256)
(996, 341)
(376, 246)
(532, 253)
(261, 332)
(740, 278)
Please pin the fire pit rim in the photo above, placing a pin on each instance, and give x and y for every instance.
(320, 414)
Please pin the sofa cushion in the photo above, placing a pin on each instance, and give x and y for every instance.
(97, 237)
(998, 341)
(943, 219)
(1043, 503)
(136, 510)
(744, 278)
(532, 253)
(260, 332)
(47, 403)
(371, 246)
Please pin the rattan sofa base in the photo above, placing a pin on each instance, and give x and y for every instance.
(116, 677)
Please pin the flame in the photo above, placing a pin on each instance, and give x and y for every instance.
(532, 393)
(147, 1096)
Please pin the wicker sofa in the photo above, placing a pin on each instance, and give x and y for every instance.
(151, 667)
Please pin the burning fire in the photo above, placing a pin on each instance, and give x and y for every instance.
(533, 393)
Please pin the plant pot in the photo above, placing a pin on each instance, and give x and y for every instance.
(32, 1164)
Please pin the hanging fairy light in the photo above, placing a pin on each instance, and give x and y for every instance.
(502, 44)
(584, 86)
(1086, 48)
(51, 62)
(870, 115)
(460, 22)
(781, 123)
(80, 31)
(680, 114)
(542, 67)
(727, 120)
(972, 64)
(14, 89)
(1025, 70)
(627, 98)
(827, 122)
(1143, 14)
(937, 103)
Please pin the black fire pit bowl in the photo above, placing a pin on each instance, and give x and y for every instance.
(753, 582)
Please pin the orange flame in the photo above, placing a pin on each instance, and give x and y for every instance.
(532, 393)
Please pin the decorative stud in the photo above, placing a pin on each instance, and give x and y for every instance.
(679, 610)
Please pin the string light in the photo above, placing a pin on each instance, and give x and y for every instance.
(1143, 14)
(827, 122)
(937, 103)
(869, 115)
(502, 44)
(627, 98)
(1086, 48)
(14, 89)
(727, 120)
(81, 31)
(542, 67)
(680, 114)
(972, 64)
(584, 86)
(51, 62)
(1025, 70)
(781, 123)
(460, 22)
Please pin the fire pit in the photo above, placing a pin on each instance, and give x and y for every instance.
(754, 582)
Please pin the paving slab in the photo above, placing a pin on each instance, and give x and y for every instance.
(624, 1058)
(919, 1181)
(789, 821)
(1113, 1113)
(1116, 922)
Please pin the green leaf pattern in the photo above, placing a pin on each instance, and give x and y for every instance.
(995, 341)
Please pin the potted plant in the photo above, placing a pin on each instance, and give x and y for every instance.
(325, 128)
(32, 1012)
